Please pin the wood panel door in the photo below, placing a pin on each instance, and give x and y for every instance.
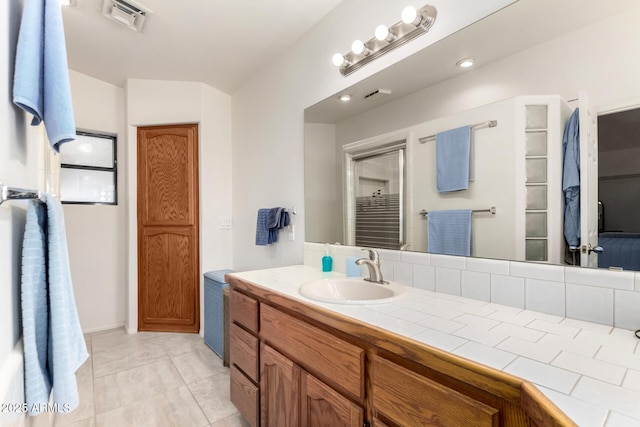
(279, 389)
(323, 406)
(168, 231)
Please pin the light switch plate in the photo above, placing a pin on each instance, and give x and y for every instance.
(225, 222)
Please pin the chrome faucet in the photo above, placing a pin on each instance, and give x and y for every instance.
(373, 264)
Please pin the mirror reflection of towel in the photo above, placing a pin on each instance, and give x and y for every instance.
(449, 232)
(453, 150)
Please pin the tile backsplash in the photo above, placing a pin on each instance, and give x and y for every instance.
(600, 296)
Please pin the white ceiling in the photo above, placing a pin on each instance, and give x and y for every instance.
(218, 42)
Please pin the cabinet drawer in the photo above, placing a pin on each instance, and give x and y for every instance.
(245, 396)
(410, 399)
(334, 361)
(243, 310)
(243, 351)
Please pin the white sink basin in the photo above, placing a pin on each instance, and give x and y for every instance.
(351, 291)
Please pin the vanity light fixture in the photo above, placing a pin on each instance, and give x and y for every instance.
(466, 63)
(414, 23)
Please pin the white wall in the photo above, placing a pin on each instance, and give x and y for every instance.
(267, 113)
(152, 102)
(96, 234)
(323, 198)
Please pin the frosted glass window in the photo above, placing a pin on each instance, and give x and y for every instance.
(536, 143)
(537, 170)
(536, 197)
(88, 173)
(88, 150)
(536, 224)
(86, 186)
(536, 116)
(536, 250)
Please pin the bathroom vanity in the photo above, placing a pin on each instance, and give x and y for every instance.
(296, 362)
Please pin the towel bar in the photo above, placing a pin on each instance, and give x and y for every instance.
(13, 193)
(491, 210)
(489, 124)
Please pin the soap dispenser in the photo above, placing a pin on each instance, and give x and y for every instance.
(327, 261)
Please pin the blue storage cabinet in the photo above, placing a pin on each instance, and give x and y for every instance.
(214, 285)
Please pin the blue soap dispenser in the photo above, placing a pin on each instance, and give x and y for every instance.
(327, 261)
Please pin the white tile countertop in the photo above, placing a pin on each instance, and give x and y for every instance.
(590, 371)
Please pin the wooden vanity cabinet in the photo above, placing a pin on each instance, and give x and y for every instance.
(318, 368)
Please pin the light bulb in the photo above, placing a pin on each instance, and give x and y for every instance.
(346, 97)
(383, 34)
(359, 48)
(338, 59)
(410, 16)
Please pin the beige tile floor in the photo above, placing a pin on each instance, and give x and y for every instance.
(152, 379)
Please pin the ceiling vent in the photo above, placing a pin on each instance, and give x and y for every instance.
(377, 93)
(128, 13)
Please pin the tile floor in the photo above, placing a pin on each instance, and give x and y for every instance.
(152, 379)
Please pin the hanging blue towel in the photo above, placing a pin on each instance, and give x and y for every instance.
(453, 148)
(41, 78)
(54, 347)
(571, 179)
(35, 307)
(67, 348)
(262, 230)
(449, 232)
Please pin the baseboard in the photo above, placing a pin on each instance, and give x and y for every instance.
(103, 328)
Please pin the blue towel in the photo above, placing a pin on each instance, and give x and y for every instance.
(41, 78)
(54, 344)
(270, 221)
(262, 230)
(35, 307)
(571, 179)
(450, 232)
(453, 149)
(67, 348)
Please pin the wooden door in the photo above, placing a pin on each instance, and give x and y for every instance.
(168, 232)
(588, 184)
(279, 390)
(323, 406)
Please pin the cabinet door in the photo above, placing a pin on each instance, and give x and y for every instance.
(279, 389)
(323, 406)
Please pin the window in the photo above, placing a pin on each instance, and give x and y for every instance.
(88, 173)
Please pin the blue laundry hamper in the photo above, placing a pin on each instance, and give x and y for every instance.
(214, 286)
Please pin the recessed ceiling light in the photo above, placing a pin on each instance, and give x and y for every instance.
(466, 63)
(344, 98)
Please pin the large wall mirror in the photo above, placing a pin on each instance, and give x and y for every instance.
(370, 163)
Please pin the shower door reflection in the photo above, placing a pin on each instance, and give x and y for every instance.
(378, 199)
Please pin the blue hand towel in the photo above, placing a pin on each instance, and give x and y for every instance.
(54, 347)
(41, 78)
(262, 230)
(449, 232)
(35, 308)
(453, 149)
(571, 179)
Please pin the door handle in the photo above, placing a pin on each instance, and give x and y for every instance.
(589, 249)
